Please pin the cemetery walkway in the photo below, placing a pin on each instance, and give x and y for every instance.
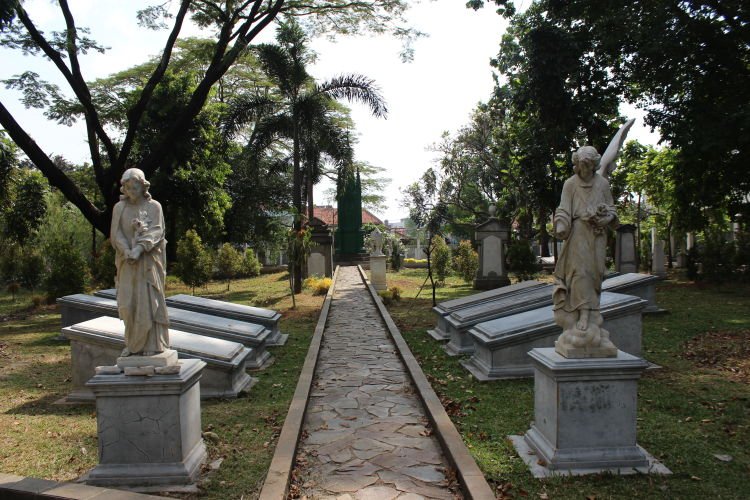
(365, 433)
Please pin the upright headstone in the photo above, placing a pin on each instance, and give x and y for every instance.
(377, 261)
(690, 241)
(585, 389)
(657, 255)
(625, 257)
(491, 236)
(320, 260)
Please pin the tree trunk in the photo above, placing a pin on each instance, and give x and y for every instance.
(638, 231)
(297, 201)
(669, 244)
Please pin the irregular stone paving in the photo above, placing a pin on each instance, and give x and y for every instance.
(365, 433)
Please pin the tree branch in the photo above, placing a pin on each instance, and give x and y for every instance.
(136, 112)
(54, 175)
(78, 86)
(220, 63)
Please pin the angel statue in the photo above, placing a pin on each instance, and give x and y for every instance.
(586, 209)
(137, 234)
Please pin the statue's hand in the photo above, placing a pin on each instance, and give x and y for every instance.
(135, 253)
(562, 231)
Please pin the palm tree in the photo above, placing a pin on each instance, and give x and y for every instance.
(303, 112)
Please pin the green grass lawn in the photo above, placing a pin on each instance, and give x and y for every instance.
(41, 439)
(695, 407)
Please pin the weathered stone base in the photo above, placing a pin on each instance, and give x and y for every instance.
(277, 339)
(571, 352)
(491, 283)
(149, 428)
(539, 469)
(585, 412)
(168, 357)
(438, 334)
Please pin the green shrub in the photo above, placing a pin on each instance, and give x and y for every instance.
(441, 258)
(521, 260)
(10, 257)
(250, 264)
(386, 296)
(717, 258)
(397, 250)
(194, 263)
(31, 268)
(67, 270)
(466, 261)
(228, 263)
(409, 260)
(103, 268)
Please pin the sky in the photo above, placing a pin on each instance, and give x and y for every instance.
(434, 93)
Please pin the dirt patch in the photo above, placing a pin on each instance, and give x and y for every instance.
(727, 351)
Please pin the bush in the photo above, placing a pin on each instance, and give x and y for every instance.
(466, 261)
(397, 250)
(250, 264)
(521, 260)
(103, 268)
(717, 258)
(393, 294)
(319, 286)
(9, 263)
(67, 269)
(228, 263)
(441, 258)
(415, 261)
(31, 268)
(194, 263)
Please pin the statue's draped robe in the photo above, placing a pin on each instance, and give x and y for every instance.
(581, 264)
(140, 286)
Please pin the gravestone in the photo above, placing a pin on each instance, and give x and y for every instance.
(249, 314)
(501, 346)
(320, 260)
(458, 323)
(81, 307)
(585, 388)
(626, 260)
(443, 309)
(148, 404)
(148, 428)
(491, 236)
(657, 255)
(100, 341)
(377, 261)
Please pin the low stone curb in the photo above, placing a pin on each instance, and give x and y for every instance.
(473, 482)
(279, 473)
(28, 487)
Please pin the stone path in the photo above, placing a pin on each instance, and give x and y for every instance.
(365, 434)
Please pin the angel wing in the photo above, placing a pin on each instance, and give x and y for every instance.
(607, 163)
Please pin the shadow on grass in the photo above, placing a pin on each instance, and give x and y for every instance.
(46, 406)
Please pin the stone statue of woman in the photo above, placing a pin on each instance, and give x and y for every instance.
(586, 209)
(137, 234)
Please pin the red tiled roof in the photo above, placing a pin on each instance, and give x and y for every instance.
(329, 215)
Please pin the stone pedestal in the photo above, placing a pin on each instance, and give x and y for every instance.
(585, 413)
(149, 429)
(625, 256)
(320, 260)
(491, 237)
(377, 271)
